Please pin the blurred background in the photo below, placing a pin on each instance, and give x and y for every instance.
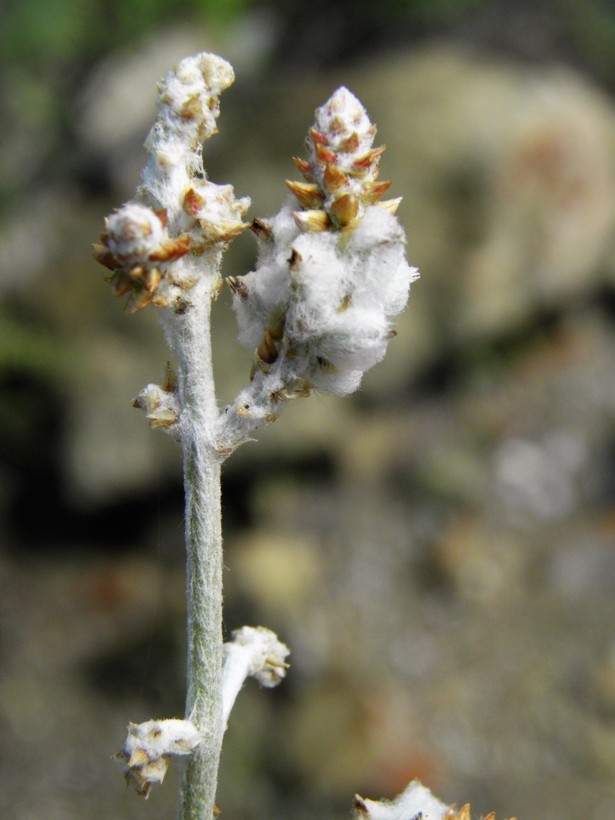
(438, 550)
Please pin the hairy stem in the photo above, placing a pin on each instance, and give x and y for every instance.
(189, 336)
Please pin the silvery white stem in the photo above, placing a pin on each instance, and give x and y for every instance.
(189, 336)
(165, 250)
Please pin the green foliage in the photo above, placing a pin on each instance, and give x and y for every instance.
(593, 25)
(431, 11)
(30, 349)
(40, 32)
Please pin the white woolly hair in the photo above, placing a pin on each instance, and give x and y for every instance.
(338, 295)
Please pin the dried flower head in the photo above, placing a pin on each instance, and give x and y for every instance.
(263, 651)
(254, 652)
(161, 407)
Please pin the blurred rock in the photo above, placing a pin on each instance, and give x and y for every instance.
(101, 462)
(279, 571)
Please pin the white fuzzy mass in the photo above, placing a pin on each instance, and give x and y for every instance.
(338, 295)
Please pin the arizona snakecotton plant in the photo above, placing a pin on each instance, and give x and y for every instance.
(317, 313)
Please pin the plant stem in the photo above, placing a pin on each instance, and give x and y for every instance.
(189, 335)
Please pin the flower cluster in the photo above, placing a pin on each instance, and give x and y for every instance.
(318, 307)
(331, 273)
(154, 246)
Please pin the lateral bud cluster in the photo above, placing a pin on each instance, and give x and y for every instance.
(149, 747)
(161, 407)
(330, 277)
(137, 247)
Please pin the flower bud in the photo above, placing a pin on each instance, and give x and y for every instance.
(149, 746)
(161, 407)
(137, 247)
(342, 168)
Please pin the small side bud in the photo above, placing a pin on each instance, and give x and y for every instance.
(217, 211)
(137, 247)
(254, 652)
(148, 748)
(267, 654)
(160, 406)
(133, 232)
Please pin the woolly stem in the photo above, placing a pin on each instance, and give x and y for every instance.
(189, 336)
